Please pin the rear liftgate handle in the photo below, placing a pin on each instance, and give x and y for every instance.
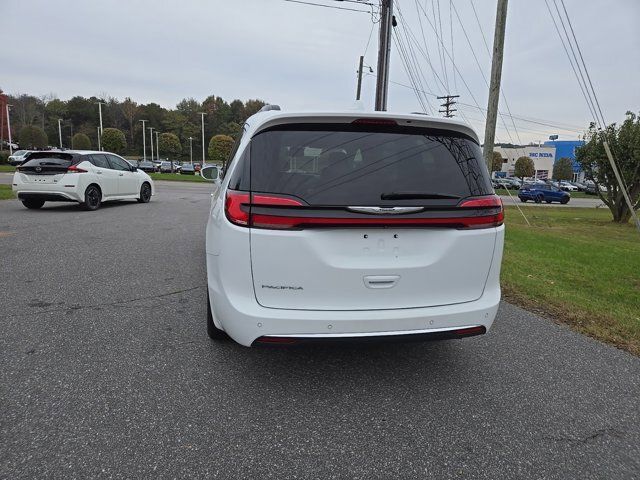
(381, 281)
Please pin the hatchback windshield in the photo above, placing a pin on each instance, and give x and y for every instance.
(349, 165)
(20, 153)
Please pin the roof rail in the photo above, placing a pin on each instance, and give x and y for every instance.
(268, 108)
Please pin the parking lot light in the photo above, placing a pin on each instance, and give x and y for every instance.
(144, 141)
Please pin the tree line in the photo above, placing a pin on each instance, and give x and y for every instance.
(34, 123)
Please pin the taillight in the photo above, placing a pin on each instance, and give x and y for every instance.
(253, 210)
(236, 207)
(488, 202)
(76, 169)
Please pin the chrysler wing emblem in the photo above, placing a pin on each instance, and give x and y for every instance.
(386, 210)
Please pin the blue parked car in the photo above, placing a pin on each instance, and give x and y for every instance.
(543, 193)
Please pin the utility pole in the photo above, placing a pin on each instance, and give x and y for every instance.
(384, 54)
(496, 75)
(9, 128)
(157, 147)
(449, 102)
(202, 115)
(60, 132)
(144, 141)
(191, 150)
(99, 147)
(100, 113)
(359, 89)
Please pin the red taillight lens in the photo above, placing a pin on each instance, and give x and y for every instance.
(495, 219)
(236, 207)
(76, 169)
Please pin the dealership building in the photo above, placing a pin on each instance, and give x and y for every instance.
(543, 156)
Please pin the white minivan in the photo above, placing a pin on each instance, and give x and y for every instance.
(353, 226)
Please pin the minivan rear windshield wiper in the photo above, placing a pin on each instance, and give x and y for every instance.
(415, 196)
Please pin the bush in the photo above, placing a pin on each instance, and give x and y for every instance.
(113, 140)
(220, 148)
(496, 161)
(169, 144)
(32, 137)
(80, 142)
(4, 156)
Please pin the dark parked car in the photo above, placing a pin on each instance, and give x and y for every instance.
(167, 167)
(147, 166)
(543, 193)
(187, 169)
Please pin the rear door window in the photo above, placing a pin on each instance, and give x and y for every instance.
(338, 165)
(99, 160)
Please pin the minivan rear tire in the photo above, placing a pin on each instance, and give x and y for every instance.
(33, 204)
(214, 332)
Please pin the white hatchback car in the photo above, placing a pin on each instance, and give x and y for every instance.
(343, 226)
(86, 177)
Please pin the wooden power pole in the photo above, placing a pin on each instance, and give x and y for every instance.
(384, 53)
(496, 75)
(359, 90)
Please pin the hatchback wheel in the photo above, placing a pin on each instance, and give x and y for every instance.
(539, 199)
(145, 193)
(564, 201)
(92, 198)
(214, 332)
(33, 204)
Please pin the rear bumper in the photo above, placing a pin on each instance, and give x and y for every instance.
(244, 320)
(48, 196)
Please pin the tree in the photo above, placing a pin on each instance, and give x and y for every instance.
(219, 148)
(32, 137)
(169, 144)
(563, 169)
(624, 142)
(524, 168)
(129, 110)
(80, 142)
(231, 129)
(113, 140)
(496, 161)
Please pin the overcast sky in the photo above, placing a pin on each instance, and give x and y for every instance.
(305, 57)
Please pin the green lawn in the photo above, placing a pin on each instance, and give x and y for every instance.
(502, 191)
(576, 266)
(176, 177)
(5, 192)
(7, 168)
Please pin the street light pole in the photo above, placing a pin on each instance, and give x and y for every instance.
(151, 135)
(9, 127)
(144, 141)
(157, 147)
(60, 132)
(202, 116)
(99, 147)
(191, 150)
(100, 113)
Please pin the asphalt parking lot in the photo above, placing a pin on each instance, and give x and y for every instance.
(106, 371)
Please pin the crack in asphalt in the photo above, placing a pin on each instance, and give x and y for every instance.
(107, 304)
(612, 432)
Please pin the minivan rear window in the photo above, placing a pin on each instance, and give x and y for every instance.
(344, 164)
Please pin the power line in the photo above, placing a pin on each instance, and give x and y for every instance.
(330, 6)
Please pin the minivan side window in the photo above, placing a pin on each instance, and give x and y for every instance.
(118, 163)
(99, 160)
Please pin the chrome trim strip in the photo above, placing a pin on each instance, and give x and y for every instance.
(372, 334)
(385, 210)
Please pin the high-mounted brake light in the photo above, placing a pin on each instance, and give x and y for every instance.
(76, 169)
(374, 121)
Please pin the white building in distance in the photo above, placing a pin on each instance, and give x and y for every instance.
(543, 158)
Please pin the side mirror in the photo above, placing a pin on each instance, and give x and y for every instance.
(134, 169)
(210, 173)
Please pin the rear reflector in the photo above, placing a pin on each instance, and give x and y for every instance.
(468, 332)
(291, 214)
